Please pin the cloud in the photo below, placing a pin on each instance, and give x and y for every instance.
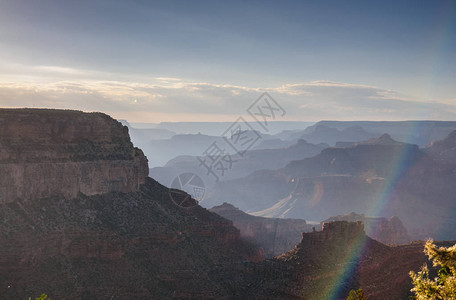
(311, 101)
(59, 70)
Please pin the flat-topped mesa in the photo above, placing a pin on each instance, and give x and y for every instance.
(343, 227)
(46, 153)
(334, 231)
(387, 231)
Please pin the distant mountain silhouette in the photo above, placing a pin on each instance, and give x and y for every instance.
(162, 144)
(217, 128)
(162, 150)
(443, 150)
(325, 134)
(415, 132)
(381, 177)
(384, 139)
(243, 165)
(142, 135)
(274, 143)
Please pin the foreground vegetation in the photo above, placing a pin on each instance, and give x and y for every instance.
(444, 285)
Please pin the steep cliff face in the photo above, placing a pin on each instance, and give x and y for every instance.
(47, 153)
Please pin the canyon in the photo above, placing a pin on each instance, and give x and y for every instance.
(380, 177)
(81, 219)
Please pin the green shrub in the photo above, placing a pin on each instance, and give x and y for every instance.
(356, 295)
(443, 286)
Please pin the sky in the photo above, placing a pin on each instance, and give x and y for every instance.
(154, 61)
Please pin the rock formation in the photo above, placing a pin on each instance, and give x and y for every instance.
(327, 264)
(47, 153)
(320, 133)
(387, 231)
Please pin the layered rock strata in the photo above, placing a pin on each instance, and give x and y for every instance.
(47, 153)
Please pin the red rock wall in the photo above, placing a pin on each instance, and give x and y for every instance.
(47, 153)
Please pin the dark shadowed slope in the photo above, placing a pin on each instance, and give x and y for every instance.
(119, 245)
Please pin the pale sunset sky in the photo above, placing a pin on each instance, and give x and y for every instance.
(153, 61)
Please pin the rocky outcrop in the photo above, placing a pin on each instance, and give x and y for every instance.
(387, 231)
(327, 264)
(275, 236)
(47, 153)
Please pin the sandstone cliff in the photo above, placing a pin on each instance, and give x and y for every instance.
(47, 153)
